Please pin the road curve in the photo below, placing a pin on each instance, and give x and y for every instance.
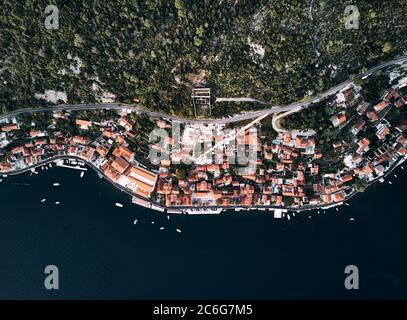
(236, 118)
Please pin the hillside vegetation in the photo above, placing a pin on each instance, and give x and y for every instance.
(156, 51)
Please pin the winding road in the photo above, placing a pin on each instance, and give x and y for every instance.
(240, 117)
(235, 118)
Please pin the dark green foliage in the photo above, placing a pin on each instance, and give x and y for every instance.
(374, 86)
(152, 49)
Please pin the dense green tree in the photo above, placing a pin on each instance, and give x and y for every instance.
(275, 51)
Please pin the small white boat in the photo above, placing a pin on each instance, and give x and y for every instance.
(135, 221)
(82, 174)
(337, 209)
(288, 217)
(42, 168)
(390, 182)
(402, 167)
(162, 228)
(57, 202)
(152, 222)
(347, 204)
(178, 230)
(56, 184)
(117, 204)
(46, 168)
(352, 219)
(168, 217)
(1, 180)
(43, 200)
(395, 175)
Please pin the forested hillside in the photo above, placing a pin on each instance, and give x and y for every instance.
(156, 51)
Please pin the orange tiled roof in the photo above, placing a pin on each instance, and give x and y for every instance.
(9, 127)
(137, 171)
(372, 116)
(382, 133)
(101, 150)
(123, 152)
(120, 164)
(80, 140)
(380, 106)
(83, 123)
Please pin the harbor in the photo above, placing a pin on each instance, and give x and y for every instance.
(71, 164)
(74, 163)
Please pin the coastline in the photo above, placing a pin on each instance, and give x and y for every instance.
(194, 210)
(144, 200)
(90, 240)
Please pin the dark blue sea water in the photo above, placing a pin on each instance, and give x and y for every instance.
(100, 253)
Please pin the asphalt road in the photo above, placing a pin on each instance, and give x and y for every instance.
(236, 118)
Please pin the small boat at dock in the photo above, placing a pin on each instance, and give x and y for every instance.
(117, 204)
(82, 174)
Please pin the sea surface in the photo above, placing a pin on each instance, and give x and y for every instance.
(102, 254)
